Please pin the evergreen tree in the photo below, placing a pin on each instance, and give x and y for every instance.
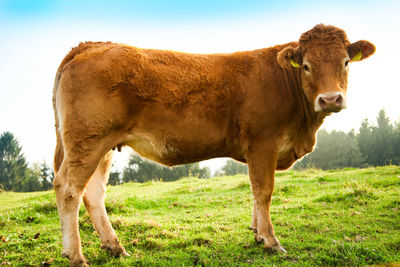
(13, 167)
(396, 144)
(233, 167)
(365, 142)
(46, 176)
(378, 143)
(383, 137)
(30, 183)
(114, 178)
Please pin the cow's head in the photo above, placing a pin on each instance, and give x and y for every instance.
(323, 55)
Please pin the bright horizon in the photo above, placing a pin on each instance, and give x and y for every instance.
(36, 35)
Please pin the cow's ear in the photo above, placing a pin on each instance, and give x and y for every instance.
(360, 50)
(289, 58)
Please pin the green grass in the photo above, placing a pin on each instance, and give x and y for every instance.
(346, 217)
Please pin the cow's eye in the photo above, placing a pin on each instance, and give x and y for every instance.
(306, 67)
(346, 63)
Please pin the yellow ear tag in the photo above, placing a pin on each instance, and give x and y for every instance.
(294, 63)
(357, 57)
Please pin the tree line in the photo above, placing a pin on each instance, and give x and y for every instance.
(373, 145)
(142, 170)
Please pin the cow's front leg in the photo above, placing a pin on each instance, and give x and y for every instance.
(262, 163)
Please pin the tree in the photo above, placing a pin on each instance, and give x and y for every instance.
(30, 183)
(365, 141)
(383, 136)
(13, 167)
(115, 178)
(233, 167)
(396, 144)
(46, 176)
(379, 144)
(140, 170)
(37, 178)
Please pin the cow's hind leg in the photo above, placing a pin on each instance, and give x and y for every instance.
(94, 201)
(78, 165)
(69, 185)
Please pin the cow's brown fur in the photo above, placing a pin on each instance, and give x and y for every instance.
(177, 108)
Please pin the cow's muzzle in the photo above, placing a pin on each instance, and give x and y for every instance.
(330, 102)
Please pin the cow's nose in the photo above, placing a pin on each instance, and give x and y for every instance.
(332, 102)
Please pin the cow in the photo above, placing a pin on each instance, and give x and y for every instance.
(260, 107)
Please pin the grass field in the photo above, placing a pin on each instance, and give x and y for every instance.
(345, 217)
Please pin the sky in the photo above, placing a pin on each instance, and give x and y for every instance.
(36, 35)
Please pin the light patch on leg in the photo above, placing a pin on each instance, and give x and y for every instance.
(94, 201)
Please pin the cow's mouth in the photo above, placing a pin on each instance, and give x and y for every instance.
(330, 111)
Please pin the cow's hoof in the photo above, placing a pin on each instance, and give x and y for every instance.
(65, 255)
(116, 251)
(254, 229)
(125, 254)
(78, 262)
(257, 238)
(270, 244)
(75, 260)
(275, 248)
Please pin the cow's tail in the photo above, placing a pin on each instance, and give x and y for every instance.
(59, 152)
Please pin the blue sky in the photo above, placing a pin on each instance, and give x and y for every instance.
(157, 11)
(145, 9)
(36, 35)
(170, 12)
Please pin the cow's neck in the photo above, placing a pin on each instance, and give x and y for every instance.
(301, 106)
(302, 119)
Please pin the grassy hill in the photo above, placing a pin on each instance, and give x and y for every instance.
(345, 217)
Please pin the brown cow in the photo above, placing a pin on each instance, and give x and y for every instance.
(261, 107)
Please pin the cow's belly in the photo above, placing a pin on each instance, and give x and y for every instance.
(146, 147)
(173, 151)
(171, 137)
